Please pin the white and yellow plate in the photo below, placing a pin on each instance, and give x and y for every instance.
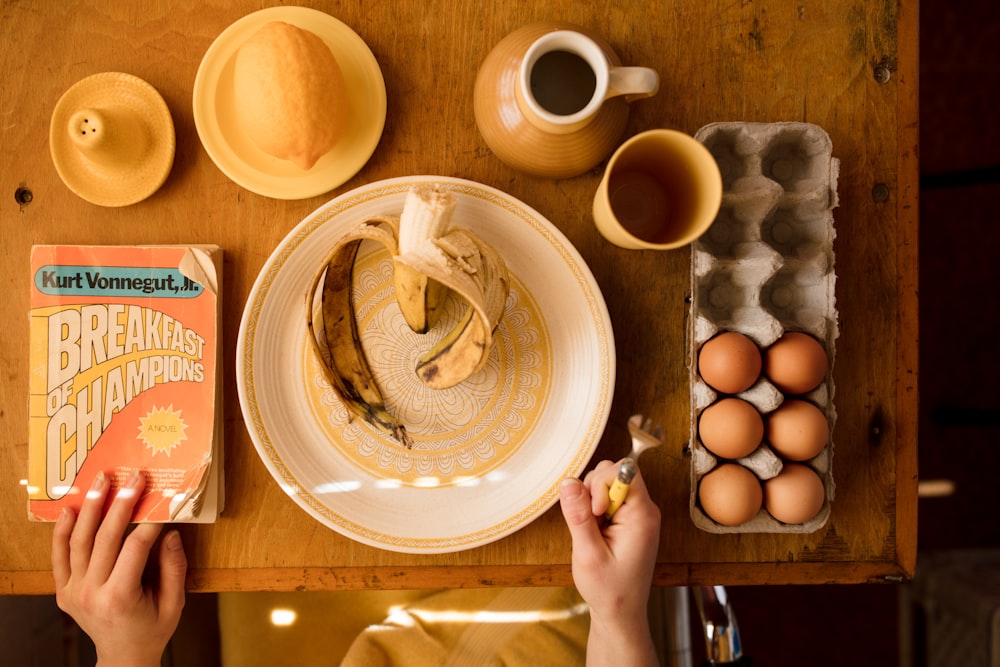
(488, 454)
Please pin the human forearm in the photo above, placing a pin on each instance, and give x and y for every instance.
(623, 644)
(147, 661)
(613, 566)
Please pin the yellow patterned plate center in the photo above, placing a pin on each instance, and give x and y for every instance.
(459, 434)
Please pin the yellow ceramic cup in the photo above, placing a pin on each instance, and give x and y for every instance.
(661, 189)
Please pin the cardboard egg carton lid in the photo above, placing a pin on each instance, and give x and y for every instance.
(766, 266)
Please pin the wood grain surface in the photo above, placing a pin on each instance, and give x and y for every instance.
(731, 60)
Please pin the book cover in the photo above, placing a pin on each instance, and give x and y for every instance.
(124, 374)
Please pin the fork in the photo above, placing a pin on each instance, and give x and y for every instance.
(644, 436)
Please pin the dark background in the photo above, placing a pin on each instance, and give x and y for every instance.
(959, 434)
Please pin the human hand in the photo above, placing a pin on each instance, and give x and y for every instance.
(613, 566)
(99, 577)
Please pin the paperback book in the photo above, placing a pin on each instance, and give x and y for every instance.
(125, 374)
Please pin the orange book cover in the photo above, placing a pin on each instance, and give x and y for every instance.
(124, 374)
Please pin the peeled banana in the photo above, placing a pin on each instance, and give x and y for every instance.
(426, 216)
(429, 260)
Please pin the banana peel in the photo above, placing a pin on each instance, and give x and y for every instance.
(338, 345)
(439, 261)
(474, 271)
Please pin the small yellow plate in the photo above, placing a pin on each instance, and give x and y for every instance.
(117, 182)
(233, 151)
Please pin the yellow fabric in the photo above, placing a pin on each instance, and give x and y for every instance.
(326, 624)
(511, 627)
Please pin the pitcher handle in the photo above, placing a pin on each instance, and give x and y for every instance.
(635, 83)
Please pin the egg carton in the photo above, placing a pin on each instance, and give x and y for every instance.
(764, 267)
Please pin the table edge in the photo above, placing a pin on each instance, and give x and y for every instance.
(292, 579)
(907, 263)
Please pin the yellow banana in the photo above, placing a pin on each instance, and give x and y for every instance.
(426, 215)
(420, 299)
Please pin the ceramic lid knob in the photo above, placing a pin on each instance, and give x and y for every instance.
(112, 139)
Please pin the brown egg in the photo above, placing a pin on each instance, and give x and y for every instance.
(797, 430)
(731, 428)
(729, 362)
(795, 363)
(730, 494)
(795, 494)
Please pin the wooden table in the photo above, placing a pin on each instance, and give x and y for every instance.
(847, 65)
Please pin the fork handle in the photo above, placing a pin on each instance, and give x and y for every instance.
(619, 488)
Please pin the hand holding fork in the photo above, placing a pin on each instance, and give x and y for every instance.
(644, 436)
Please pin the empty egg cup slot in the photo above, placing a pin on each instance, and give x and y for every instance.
(721, 298)
(727, 288)
(724, 238)
(752, 199)
(795, 157)
(733, 154)
(797, 295)
(722, 302)
(796, 231)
